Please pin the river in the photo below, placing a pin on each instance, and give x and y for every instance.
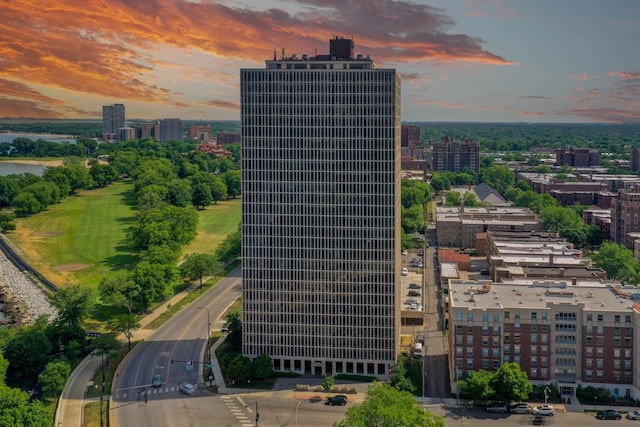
(8, 167)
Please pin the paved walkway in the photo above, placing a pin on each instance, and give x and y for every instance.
(70, 410)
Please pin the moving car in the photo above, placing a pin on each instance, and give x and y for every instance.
(608, 414)
(337, 400)
(544, 410)
(497, 407)
(520, 408)
(633, 415)
(187, 388)
(156, 381)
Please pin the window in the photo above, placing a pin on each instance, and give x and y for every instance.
(485, 317)
(534, 350)
(616, 331)
(495, 364)
(589, 329)
(627, 354)
(516, 349)
(516, 327)
(600, 364)
(534, 338)
(589, 317)
(459, 317)
(516, 314)
(589, 375)
(534, 361)
(544, 361)
(589, 340)
(485, 341)
(589, 352)
(485, 364)
(458, 329)
(507, 326)
(627, 318)
(616, 364)
(485, 352)
(589, 364)
(616, 376)
(496, 330)
(599, 375)
(469, 329)
(469, 339)
(544, 315)
(495, 353)
(469, 352)
(544, 338)
(485, 329)
(534, 315)
(600, 330)
(534, 327)
(506, 314)
(544, 373)
(507, 349)
(544, 328)
(470, 363)
(495, 341)
(469, 317)
(458, 351)
(507, 338)
(516, 338)
(533, 372)
(600, 317)
(599, 341)
(616, 342)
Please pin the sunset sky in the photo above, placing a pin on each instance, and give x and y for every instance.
(459, 60)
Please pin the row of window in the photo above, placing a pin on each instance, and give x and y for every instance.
(337, 129)
(358, 78)
(560, 316)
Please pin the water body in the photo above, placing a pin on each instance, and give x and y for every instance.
(9, 168)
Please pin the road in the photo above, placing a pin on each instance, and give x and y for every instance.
(134, 402)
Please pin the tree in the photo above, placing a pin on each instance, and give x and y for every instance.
(16, 411)
(439, 182)
(26, 204)
(219, 190)
(124, 324)
(234, 326)
(232, 179)
(498, 177)
(54, 376)
(476, 385)
(328, 383)
(510, 383)
(72, 304)
(6, 222)
(557, 218)
(262, 367)
(119, 290)
(618, 262)
(401, 379)
(239, 369)
(196, 266)
(29, 350)
(201, 196)
(180, 193)
(385, 406)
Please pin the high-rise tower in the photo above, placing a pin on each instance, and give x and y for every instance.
(113, 118)
(321, 213)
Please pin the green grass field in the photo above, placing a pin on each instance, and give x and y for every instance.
(82, 239)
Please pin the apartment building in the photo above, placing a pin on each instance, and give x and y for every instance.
(171, 130)
(625, 216)
(321, 213)
(455, 156)
(577, 157)
(570, 335)
(458, 226)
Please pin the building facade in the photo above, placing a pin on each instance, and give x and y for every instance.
(113, 118)
(569, 335)
(321, 213)
(577, 157)
(625, 216)
(455, 156)
(200, 133)
(170, 130)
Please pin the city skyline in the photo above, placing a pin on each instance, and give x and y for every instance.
(459, 60)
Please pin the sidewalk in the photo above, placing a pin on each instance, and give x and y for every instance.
(70, 410)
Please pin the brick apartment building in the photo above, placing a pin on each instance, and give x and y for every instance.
(577, 157)
(455, 156)
(559, 333)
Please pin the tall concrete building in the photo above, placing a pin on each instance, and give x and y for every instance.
(321, 213)
(625, 216)
(113, 118)
(170, 130)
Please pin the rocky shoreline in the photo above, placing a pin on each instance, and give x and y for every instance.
(23, 298)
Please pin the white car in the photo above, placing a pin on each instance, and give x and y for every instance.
(405, 271)
(633, 415)
(187, 388)
(405, 253)
(544, 410)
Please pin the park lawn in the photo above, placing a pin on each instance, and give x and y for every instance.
(215, 223)
(81, 239)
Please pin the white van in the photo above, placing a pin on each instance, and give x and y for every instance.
(417, 351)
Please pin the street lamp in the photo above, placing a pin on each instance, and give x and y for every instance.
(102, 388)
(208, 321)
(298, 404)
(546, 394)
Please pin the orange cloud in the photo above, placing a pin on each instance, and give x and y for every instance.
(114, 48)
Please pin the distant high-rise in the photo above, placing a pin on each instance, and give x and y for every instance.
(200, 132)
(170, 130)
(321, 213)
(113, 118)
(455, 156)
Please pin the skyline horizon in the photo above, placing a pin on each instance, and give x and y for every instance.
(459, 60)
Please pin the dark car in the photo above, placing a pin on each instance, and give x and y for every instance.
(608, 415)
(337, 400)
(497, 407)
(538, 420)
(414, 286)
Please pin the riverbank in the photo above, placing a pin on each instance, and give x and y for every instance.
(34, 162)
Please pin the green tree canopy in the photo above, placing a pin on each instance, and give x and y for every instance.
(386, 406)
(618, 262)
(55, 375)
(476, 385)
(510, 383)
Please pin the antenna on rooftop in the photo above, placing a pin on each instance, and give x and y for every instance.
(282, 53)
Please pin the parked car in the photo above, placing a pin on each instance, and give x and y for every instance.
(420, 264)
(414, 293)
(405, 253)
(337, 400)
(414, 286)
(414, 263)
(633, 415)
(497, 407)
(420, 339)
(544, 410)
(405, 271)
(187, 388)
(412, 301)
(608, 414)
(520, 408)
(421, 253)
(156, 381)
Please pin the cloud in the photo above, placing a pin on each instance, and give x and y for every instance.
(115, 48)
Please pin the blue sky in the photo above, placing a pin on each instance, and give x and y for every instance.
(460, 60)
